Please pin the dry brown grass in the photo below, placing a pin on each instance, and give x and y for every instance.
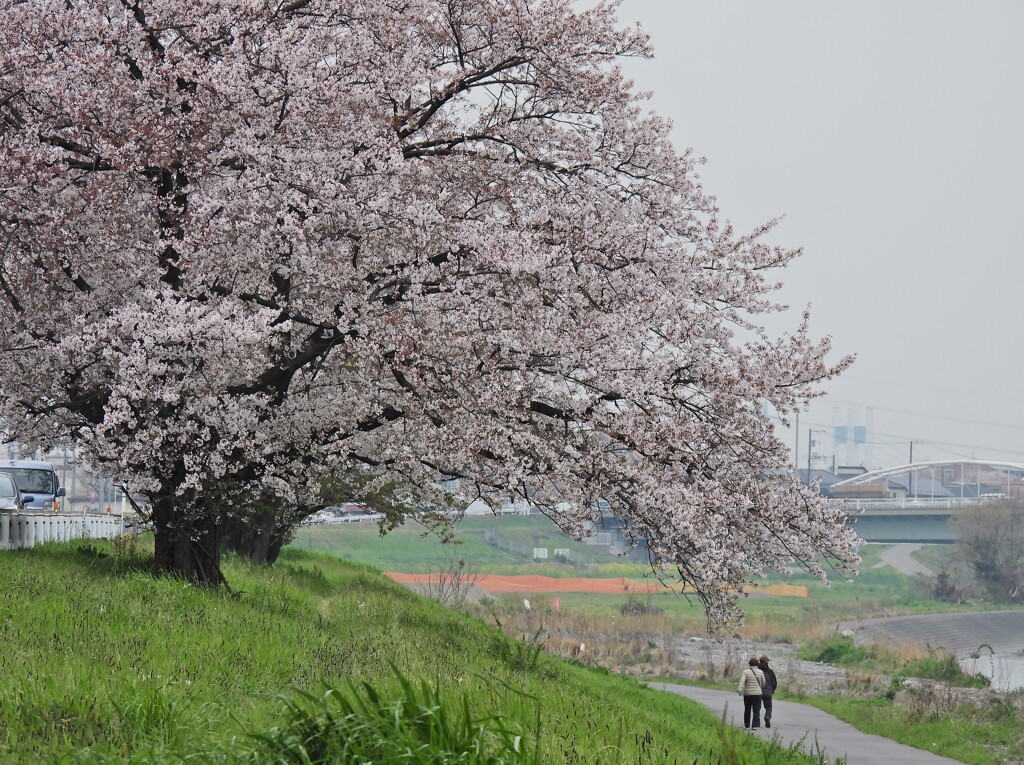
(906, 652)
(643, 626)
(762, 630)
(862, 681)
(928, 702)
(639, 644)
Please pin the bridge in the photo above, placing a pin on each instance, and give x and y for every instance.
(905, 520)
(913, 513)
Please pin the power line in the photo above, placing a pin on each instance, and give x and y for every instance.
(946, 417)
(903, 440)
(972, 447)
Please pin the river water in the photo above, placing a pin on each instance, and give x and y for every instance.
(994, 638)
(1005, 670)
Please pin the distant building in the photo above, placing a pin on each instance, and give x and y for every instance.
(825, 478)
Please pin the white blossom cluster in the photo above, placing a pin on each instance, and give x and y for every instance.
(251, 243)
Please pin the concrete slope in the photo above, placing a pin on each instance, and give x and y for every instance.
(793, 723)
(959, 633)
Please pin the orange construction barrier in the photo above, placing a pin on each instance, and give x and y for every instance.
(619, 585)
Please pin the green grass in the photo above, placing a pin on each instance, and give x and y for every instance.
(104, 663)
(410, 548)
(406, 549)
(841, 651)
(417, 728)
(984, 733)
(875, 592)
(979, 734)
(944, 669)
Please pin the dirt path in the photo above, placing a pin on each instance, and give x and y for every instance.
(794, 723)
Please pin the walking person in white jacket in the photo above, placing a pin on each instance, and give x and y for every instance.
(750, 687)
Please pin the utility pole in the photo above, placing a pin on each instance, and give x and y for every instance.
(810, 452)
(910, 472)
(810, 443)
(796, 447)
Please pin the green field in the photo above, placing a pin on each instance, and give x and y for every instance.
(104, 663)
(875, 591)
(411, 548)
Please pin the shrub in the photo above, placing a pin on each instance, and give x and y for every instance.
(945, 669)
(361, 726)
(839, 650)
(635, 607)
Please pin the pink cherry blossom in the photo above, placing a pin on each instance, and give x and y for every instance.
(251, 243)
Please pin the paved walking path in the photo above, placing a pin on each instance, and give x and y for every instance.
(901, 557)
(795, 722)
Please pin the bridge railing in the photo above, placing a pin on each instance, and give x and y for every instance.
(857, 505)
(21, 530)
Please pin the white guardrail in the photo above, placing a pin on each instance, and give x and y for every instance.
(907, 504)
(20, 530)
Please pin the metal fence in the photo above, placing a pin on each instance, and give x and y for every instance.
(531, 551)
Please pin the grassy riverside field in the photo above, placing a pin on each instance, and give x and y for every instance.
(875, 592)
(104, 663)
(982, 731)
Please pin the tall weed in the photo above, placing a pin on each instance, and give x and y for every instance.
(363, 726)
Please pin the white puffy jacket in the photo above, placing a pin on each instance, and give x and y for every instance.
(751, 682)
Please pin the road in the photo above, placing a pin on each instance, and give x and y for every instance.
(901, 558)
(793, 723)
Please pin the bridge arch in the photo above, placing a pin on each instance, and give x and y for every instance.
(1007, 468)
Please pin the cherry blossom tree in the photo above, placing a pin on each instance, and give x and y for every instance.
(252, 243)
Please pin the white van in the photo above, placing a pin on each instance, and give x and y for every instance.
(37, 482)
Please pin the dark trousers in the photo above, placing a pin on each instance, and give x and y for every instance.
(751, 708)
(767, 710)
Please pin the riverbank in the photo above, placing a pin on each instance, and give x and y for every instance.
(990, 643)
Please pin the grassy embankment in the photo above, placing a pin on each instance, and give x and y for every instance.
(981, 732)
(103, 663)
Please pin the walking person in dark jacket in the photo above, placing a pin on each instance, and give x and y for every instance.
(750, 687)
(770, 684)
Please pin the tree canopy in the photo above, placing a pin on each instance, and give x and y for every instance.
(252, 243)
(990, 540)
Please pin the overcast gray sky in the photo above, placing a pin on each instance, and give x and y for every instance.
(889, 134)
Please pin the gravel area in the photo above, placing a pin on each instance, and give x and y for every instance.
(709, 659)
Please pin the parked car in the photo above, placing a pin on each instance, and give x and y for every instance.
(361, 516)
(11, 500)
(37, 482)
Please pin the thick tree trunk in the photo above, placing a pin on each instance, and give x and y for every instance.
(186, 544)
(258, 536)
